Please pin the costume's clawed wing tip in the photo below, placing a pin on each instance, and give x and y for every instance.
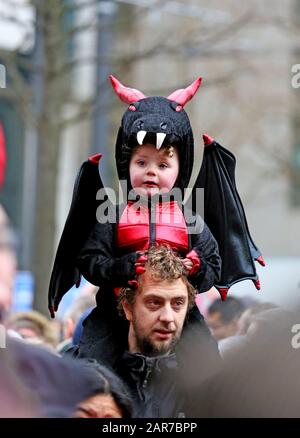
(207, 139)
(223, 291)
(261, 260)
(52, 312)
(256, 283)
(95, 158)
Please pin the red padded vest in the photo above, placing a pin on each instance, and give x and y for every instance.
(141, 226)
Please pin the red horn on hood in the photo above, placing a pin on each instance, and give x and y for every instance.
(183, 95)
(2, 155)
(127, 95)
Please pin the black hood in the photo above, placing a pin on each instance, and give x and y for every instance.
(155, 115)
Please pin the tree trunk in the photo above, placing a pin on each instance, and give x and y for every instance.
(45, 212)
(55, 94)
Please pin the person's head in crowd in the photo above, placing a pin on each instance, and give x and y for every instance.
(222, 317)
(72, 321)
(248, 318)
(79, 327)
(74, 313)
(33, 327)
(3, 217)
(8, 263)
(16, 401)
(109, 398)
(157, 308)
(261, 378)
(59, 384)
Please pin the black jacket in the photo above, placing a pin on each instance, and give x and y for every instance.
(163, 387)
(153, 382)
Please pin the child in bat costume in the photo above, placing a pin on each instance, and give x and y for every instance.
(155, 133)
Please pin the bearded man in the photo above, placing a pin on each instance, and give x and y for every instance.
(160, 375)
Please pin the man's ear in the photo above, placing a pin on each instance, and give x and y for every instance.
(127, 309)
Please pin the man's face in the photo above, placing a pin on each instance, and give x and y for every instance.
(153, 171)
(157, 315)
(8, 267)
(98, 406)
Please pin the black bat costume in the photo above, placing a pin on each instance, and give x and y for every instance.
(163, 121)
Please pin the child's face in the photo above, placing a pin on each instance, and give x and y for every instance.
(153, 171)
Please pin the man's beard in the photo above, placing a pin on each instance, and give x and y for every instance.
(147, 347)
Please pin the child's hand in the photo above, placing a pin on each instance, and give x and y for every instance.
(140, 264)
(192, 262)
(139, 268)
(188, 264)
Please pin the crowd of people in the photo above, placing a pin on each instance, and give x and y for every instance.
(247, 361)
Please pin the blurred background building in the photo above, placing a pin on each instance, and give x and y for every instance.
(57, 108)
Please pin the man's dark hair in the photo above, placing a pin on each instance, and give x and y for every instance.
(230, 309)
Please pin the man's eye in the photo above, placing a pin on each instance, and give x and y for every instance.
(177, 304)
(153, 303)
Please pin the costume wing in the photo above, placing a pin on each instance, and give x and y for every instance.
(79, 223)
(225, 216)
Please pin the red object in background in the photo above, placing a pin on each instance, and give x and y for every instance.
(2, 155)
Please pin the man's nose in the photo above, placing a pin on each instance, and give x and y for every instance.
(167, 314)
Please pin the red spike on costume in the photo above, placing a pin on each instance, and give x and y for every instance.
(133, 283)
(142, 259)
(223, 291)
(256, 284)
(139, 270)
(2, 155)
(126, 94)
(95, 158)
(52, 313)
(261, 261)
(183, 95)
(207, 139)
